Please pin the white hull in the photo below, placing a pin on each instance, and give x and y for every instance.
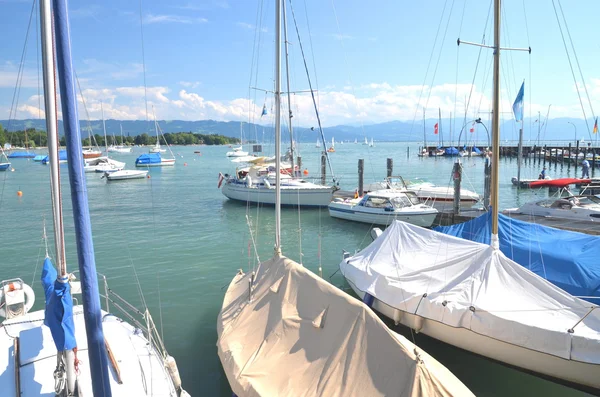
(545, 364)
(381, 217)
(163, 163)
(315, 196)
(102, 164)
(125, 174)
(237, 154)
(140, 365)
(116, 149)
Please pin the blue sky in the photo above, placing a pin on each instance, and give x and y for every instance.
(371, 58)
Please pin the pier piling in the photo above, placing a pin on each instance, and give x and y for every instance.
(576, 157)
(457, 176)
(390, 167)
(361, 172)
(487, 173)
(323, 168)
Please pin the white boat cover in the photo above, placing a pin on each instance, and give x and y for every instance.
(301, 335)
(471, 285)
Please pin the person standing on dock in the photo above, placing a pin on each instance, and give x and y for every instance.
(542, 174)
(585, 169)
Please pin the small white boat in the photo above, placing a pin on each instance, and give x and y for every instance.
(439, 197)
(382, 207)
(124, 174)
(120, 149)
(237, 152)
(582, 208)
(102, 164)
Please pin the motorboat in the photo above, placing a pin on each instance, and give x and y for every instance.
(102, 164)
(237, 152)
(439, 197)
(583, 208)
(382, 207)
(472, 296)
(256, 184)
(124, 175)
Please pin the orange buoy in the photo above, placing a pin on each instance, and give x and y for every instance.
(305, 172)
(20, 193)
(148, 176)
(185, 164)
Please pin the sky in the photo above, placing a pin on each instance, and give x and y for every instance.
(370, 61)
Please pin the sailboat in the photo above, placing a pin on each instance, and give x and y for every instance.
(263, 183)
(318, 144)
(472, 296)
(156, 148)
(372, 143)
(73, 349)
(90, 152)
(239, 151)
(103, 163)
(355, 141)
(332, 147)
(119, 148)
(284, 331)
(5, 165)
(154, 158)
(22, 154)
(366, 142)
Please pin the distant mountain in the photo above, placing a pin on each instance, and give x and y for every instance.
(555, 129)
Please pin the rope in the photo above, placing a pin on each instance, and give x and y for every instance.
(144, 65)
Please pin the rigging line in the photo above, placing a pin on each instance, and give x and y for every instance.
(576, 60)
(20, 73)
(39, 43)
(439, 25)
(530, 80)
(509, 58)
(312, 93)
(312, 53)
(571, 66)
(144, 65)
(255, 53)
(462, 17)
(439, 57)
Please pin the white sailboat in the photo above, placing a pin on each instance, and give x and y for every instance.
(120, 148)
(372, 143)
(472, 296)
(284, 331)
(157, 148)
(366, 142)
(239, 151)
(154, 158)
(73, 349)
(318, 145)
(332, 147)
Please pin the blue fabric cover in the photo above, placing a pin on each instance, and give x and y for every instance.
(451, 151)
(62, 156)
(567, 259)
(150, 158)
(59, 309)
(476, 150)
(21, 155)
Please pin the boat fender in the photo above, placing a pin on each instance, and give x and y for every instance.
(171, 365)
(248, 181)
(368, 299)
(267, 183)
(11, 287)
(418, 326)
(397, 316)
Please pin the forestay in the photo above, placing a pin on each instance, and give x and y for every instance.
(470, 285)
(567, 259)
(299, 335)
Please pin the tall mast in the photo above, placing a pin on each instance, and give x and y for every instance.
(81, 213)
(287, 75)
(440, 140)
(52, 131)
(104, 128)
(495, 125)
(277, 127)
(424, 133)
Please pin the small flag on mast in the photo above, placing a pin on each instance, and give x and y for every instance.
(264, 111)
(435, 128)
(596, 126)
(518, 105)
(473, 127)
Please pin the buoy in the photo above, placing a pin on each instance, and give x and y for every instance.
(148, 176)
(305, 172)
(19, 193)
(185, 164)
(12, 170)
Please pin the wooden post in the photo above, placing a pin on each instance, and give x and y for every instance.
(535, 148)
(593, 161)
(299, 163)
(323, 169)
(457, 177)
(569, 159)
(487, 168)
(576, 157)
(390, 167)
(361, 172)
(545, 152)
(407, 151)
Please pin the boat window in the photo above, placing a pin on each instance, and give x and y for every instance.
(586, 201)
(377, 202)
(414, 199)
(562, 204)
(545, 203)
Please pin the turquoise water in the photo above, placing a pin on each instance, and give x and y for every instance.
(185, 241)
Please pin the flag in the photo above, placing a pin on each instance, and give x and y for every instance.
(473, 127)
(596, 126)
(264, 111)
(435, 128)
(518, 105)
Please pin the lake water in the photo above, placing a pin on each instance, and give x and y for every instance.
(186, 241)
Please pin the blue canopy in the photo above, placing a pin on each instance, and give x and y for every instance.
(62, 156)
(451, 151)
(150, 158)
(567, 259)
(21, 155)
(59, 308)
(476, 150)
(39, 157)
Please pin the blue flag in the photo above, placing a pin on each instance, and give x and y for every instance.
(264, 111)
(518, 105)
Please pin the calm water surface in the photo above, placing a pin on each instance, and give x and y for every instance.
(186, 241)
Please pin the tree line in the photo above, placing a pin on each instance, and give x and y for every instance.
(31, 137)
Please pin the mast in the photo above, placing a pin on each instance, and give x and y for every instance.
(424, 133)
(277, 127)
(495, 125)
(81, 213)
(287, 75)
(104, 128)
(52, 132)
(440, 139)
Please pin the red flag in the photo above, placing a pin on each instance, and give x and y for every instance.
(473, 127)
(435, 128)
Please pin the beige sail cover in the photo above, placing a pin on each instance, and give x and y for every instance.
(301, 336)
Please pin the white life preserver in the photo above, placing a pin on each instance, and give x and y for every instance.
(10, 287)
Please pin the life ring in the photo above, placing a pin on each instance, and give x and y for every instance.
(10, 287)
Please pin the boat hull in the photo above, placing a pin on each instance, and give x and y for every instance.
(4, 166)
(379, 217)
(290, 196)
(163, 163)
(573, 373)
(125, 175)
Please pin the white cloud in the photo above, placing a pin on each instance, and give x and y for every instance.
(339, 36)
(189, 84)
(166, 18)
(250, 26)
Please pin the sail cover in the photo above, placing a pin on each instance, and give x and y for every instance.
(62, 156)
(300, 335)
(21, 155)
(470, 285)
(149, 158)
(58, 315)
(567, 259)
